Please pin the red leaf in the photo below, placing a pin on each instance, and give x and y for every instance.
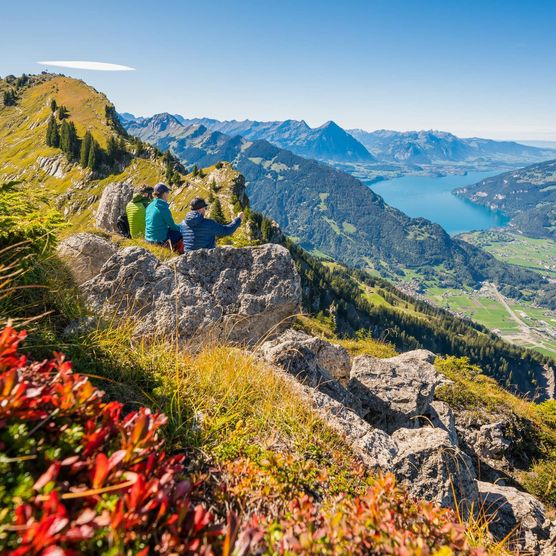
(100, 471)
(49, 475)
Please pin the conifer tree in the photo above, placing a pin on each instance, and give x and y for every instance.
(9, 98)
(52, 135)
(121, 148)
(53, 105)
(85, 148)
(94, 156)
(65, 143)
(73, 142)
(216, 212)
(112, 149)
(62, 113)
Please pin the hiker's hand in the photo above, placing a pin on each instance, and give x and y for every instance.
(240, 215)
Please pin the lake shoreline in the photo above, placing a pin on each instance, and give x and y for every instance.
(433, 198)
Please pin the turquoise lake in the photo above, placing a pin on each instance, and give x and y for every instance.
(431, 198)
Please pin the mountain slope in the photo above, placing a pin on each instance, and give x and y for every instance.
(440, 147)
(25, 157)
(328, 142)
(390, 237)
(331, 213)
(528, 195)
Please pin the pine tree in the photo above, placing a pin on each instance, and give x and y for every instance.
(9, 98)
(62, 113)
(85, 148)
(53, 105)
(195, 170)
(73, 142)
(65, 143)
(121, 148)
(216, 212)
(112, 150)
(52, 135)
(94, 156)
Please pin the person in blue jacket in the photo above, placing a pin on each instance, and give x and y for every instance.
(160, 227)
(199, 232)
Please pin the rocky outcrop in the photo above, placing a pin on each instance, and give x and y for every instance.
(111, 206)
(433, 468)
(519, 514)
(236, 294)
(375, 447)
(394, 392)
(85, 254)
(314, 362)
(53, 165)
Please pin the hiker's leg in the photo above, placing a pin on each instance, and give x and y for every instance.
(175, 241)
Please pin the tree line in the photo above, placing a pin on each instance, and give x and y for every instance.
(338, 296)
(61, 133)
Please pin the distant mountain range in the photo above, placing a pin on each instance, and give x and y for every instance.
(441, 147)
(372, 154)
(331, 213)
(527, 195)
(327, 143)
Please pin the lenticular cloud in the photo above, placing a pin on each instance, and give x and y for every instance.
(96, 66)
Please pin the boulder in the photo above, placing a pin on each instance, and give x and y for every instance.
(112, 205)
(333, 358)
(490, 441)
(85, 254)
(395, 392)
(441, 416)
(431, 467)
(374, 447)
(517, 514)
(314, 362)
(241, 295)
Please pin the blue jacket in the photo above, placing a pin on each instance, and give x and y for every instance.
(200, 233)
(158, 221)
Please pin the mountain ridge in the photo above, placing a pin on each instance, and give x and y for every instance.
(332, 213)
(439, 147)
(528, 195)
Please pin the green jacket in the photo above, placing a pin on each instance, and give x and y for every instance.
(159, 221)
(136, 213)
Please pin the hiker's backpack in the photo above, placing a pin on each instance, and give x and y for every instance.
(123, 225)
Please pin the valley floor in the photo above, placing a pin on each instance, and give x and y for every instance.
(517, 322)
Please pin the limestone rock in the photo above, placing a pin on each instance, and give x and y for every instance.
(394, 392)
(431, 467)
(490, 441)
(441, 416)
(516, 511)
(374, 447)
(236, 294)
(112, 205)
(314, 362)
(85, 254)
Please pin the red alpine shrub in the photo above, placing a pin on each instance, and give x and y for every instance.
(79, 477)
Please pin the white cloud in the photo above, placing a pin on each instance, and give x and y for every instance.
(96, 66)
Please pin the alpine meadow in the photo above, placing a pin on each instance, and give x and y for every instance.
(278, 278)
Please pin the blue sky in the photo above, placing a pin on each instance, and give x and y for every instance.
(473, 67)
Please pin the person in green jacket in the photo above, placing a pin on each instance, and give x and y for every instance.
(160, 227)
(136, 211)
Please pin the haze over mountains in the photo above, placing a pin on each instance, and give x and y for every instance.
(330, 143)
(440, 147)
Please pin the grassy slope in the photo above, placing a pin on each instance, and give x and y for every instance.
(22, 142)
(223, 400)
